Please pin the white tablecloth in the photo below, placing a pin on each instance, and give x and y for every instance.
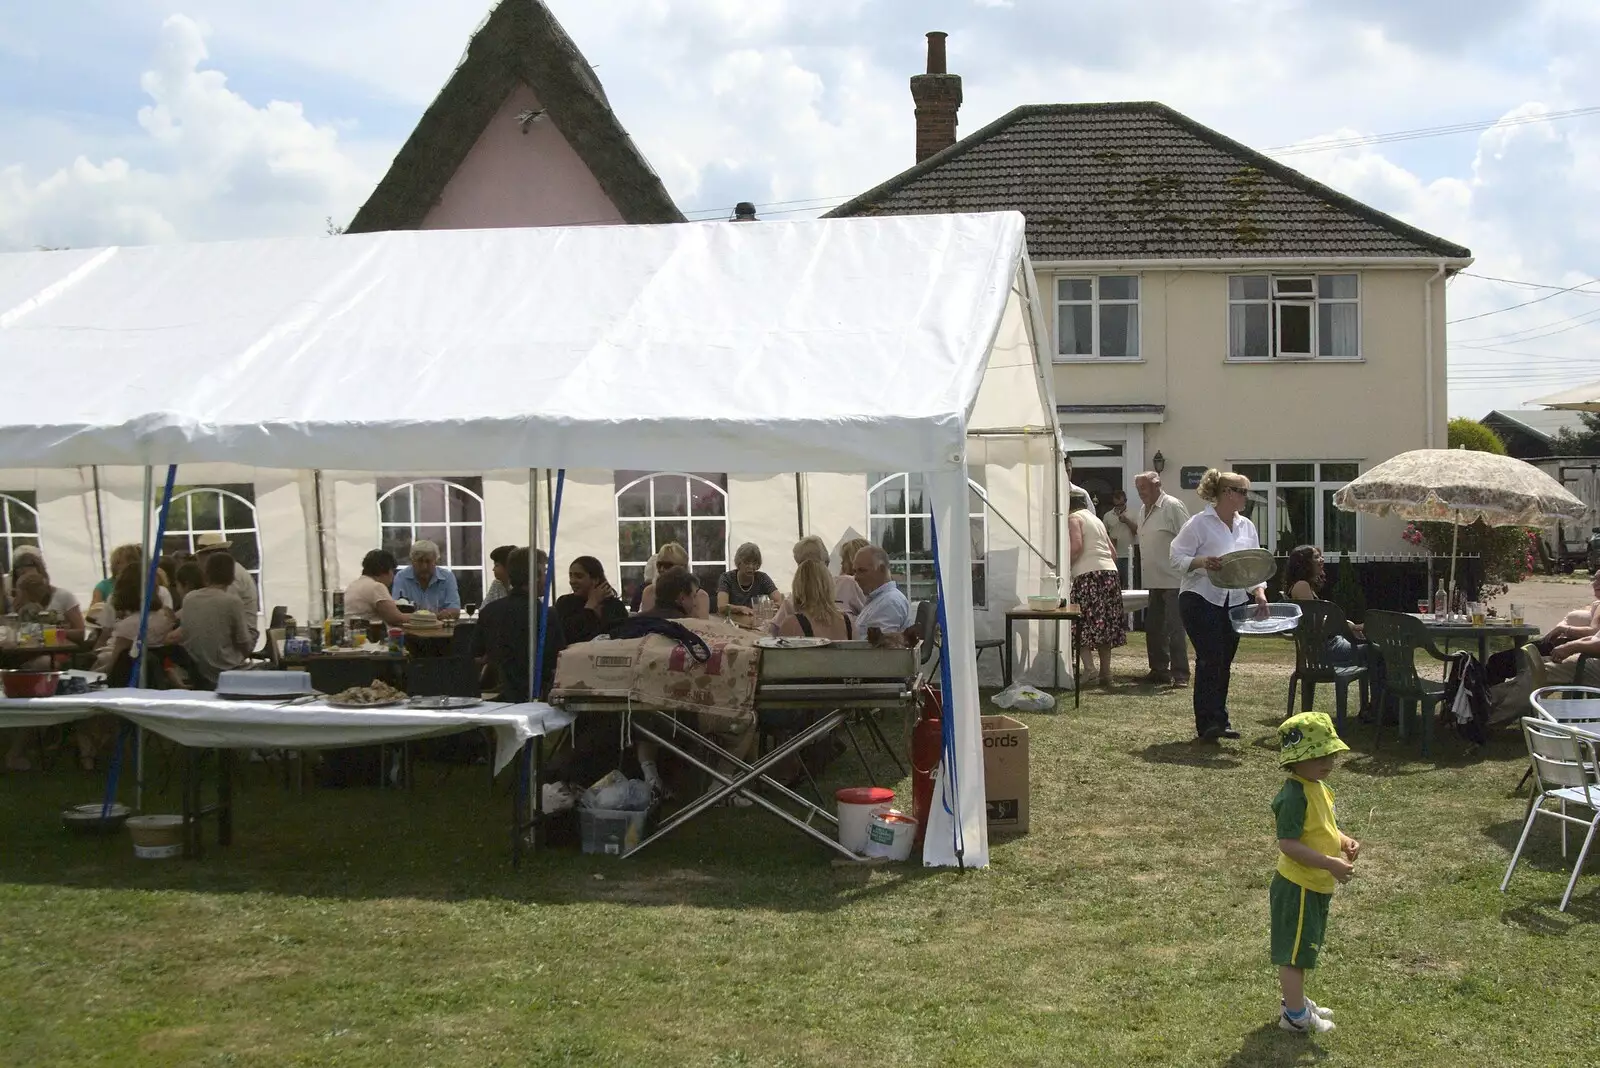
(204, 720)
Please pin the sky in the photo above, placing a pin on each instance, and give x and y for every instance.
(138, 121)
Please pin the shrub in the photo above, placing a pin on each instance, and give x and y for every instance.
(1508, 553)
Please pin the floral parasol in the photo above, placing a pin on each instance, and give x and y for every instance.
(1460, 486)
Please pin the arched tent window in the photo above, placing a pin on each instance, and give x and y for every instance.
(228, 509)
(901, 523)
(654, 508)
(19, 522)
(445, 511)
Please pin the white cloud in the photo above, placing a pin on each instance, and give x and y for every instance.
(216, 166)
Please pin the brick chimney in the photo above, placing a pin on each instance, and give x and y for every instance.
(938, 98)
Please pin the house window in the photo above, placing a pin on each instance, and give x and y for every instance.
(19, 521)
(445, 511)
(654, 508)
(901, 523)
(1291, 503)
(228, 509)
(1294, 317)
(1098, 317)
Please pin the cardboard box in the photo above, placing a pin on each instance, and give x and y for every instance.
(1005, 774)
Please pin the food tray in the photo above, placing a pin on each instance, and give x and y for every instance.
(393, 702)
(1244, 568)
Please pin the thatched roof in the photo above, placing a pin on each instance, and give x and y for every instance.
(520, 41)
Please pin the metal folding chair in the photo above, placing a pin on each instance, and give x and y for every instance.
(1564, 771)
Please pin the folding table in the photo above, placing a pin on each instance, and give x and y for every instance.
(832, 683)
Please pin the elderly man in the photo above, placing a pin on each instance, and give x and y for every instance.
(243, 587)
(1163, 516)
(887, 608)
(427, 585)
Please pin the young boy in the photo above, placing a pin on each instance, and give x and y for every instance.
(1313, 854)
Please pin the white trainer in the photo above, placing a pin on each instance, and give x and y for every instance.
(1320, 1010)
(1310, 1024)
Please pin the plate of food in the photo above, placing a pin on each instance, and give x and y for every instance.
(377, 695)
(792, 643)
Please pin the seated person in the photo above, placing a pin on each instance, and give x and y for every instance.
(190, 577)
(1578, 624)
(501, 639)
(738, 589)
(887, 609)
(213, 629)
(815, 614)
(498, 558)
(677, 596)
(122, 556)
(669, 557)
(592, 608)
(34, 591)
(846, 590)
(123, 629)
(427, 585)
(368, 597)
(1305, 579)
(244, 587)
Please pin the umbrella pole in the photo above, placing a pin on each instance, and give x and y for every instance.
(1455, 535)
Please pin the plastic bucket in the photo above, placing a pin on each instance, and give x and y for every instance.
(610, 832)
(156, 837)
(891, 834)
(857, 806)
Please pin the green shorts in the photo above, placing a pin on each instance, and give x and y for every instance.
(1299, 923)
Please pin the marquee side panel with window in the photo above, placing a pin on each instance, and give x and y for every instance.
(445, 511)
(228, 509)
(656, 507)
(900, 522)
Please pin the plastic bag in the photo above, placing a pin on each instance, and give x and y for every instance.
(621, 795)
(1024, 698)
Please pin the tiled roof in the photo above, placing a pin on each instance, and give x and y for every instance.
(520, 42)
(1546, 423)
(1141, 181)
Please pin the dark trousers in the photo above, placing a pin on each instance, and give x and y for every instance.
(1215, 642)
(1163, 636)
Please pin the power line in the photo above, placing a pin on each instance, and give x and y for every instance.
(1518, 282)
(1524, 304)
(1359, 140)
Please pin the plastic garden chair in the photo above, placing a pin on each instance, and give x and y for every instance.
(1398, 638)
(1321, 621)
(1563, 771)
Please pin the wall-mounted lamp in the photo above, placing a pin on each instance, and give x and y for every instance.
(1158, 462)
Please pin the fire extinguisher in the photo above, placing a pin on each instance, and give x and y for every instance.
(927, 743)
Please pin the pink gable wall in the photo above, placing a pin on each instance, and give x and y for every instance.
(514, 179)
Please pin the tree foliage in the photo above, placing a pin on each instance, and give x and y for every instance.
(1584, 441)
(1474, 436)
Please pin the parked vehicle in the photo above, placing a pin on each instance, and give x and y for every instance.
(1573, 544)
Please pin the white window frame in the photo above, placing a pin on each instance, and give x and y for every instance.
(187, 530)
(690, 521)
(900, 564)
(449, 523)
(1323, 489)
(12, 540)
(1096, 303)
(1283, 292)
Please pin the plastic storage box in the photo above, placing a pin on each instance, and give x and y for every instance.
(610, 831)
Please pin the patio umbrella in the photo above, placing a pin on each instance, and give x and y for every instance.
(1460, 486)
(1584, 398)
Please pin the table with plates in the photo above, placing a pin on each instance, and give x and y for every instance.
(1459, 628)
(201, 721)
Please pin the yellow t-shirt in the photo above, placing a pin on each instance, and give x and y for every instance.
(1304, 810)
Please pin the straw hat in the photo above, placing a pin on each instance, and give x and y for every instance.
(206, 543)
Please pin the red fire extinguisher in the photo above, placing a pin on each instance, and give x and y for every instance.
(927, 743)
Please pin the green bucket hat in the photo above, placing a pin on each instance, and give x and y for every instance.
(1307, 736)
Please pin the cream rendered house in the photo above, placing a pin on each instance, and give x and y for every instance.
(1209, 306)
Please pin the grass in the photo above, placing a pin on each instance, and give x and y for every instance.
(1128, 928)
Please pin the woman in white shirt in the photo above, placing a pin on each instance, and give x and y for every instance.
(1197, 551)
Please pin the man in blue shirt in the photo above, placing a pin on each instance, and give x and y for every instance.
(427, 585)
(887, 608)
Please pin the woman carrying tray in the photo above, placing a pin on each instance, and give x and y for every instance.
(1221, 528)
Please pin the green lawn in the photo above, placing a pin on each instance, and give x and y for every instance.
(359, 927)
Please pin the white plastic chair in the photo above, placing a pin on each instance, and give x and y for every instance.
(1564, 771)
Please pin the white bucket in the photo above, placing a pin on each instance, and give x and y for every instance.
(857, 806)
(891, 834)
(156, 837)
